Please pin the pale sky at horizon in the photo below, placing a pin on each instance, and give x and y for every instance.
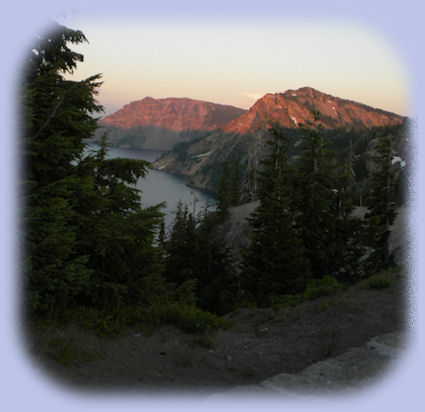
(235, 63)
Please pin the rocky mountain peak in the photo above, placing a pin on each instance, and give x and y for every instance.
(294, 107)
(174, 114)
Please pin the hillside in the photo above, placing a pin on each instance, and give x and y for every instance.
(244, 138)
(159, 123)
(294, 107)
(266, 348)
(260, 343)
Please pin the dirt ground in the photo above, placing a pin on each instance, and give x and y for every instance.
(261, 343)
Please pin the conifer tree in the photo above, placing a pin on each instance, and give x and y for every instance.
(192, 253)
(316, 198)
(223, 197)
(274, 263)
(381, 202)
(161, 233)
(330, 234)
(55, 117)
(235, 187)
(87, 239)
(181, 248)
(348, 229)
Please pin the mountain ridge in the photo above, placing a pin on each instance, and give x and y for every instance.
(243, 139)
(293, 107)
(173, 113)
(152, 123)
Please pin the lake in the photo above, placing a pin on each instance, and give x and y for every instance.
(159, 186)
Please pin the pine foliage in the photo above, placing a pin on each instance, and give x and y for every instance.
(381, 202)
(87, 240)
(192, 252)
(275, 262)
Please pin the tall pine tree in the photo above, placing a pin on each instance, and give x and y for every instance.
(87, 239)
(223, 193)
(381, 202)
(274, 263)
(235, 185)
(316, 194)
(56, 119)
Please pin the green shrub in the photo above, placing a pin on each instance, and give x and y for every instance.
(185, 293)
(325, 286)
(204, 341)
(178, 310)
(192, 319)
(186, 317)
(102, 322)
(286, 301)
(379, 281)
(68, 352)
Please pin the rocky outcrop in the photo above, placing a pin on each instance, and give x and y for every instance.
(244, 137)
(357, 368)
(160, 123)
(175, 114)
(294, 107)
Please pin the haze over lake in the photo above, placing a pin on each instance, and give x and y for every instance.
(159, 186)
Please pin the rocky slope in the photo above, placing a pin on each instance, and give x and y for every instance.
(160, 123)
(294, 107)
(261, 343)
(244, 137)
(358, 368)
(339, 342)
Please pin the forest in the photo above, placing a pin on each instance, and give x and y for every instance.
(95, 258)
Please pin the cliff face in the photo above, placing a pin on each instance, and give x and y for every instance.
(294, 107)
(175, 114)
(244, 138)
(160, 123)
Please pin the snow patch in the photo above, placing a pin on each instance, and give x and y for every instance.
(202, 155)
(396, 159)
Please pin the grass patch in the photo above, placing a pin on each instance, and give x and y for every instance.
(67, 352)
(326, 286)
(316, 288)
(205, 341)
(147, 319)
(379, 281)
(186, 317)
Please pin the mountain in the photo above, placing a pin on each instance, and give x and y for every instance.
(294, 107)
(160, 123)
(244, 137)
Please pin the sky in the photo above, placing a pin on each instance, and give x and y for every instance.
(237, 62)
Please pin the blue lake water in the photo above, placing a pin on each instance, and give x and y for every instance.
(159, 186)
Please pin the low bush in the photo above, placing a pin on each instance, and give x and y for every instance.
(204, 341)
(316, 288)
(379, 281)
(286, 301)
(325, 286)
(68, 352)
(188, 318)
